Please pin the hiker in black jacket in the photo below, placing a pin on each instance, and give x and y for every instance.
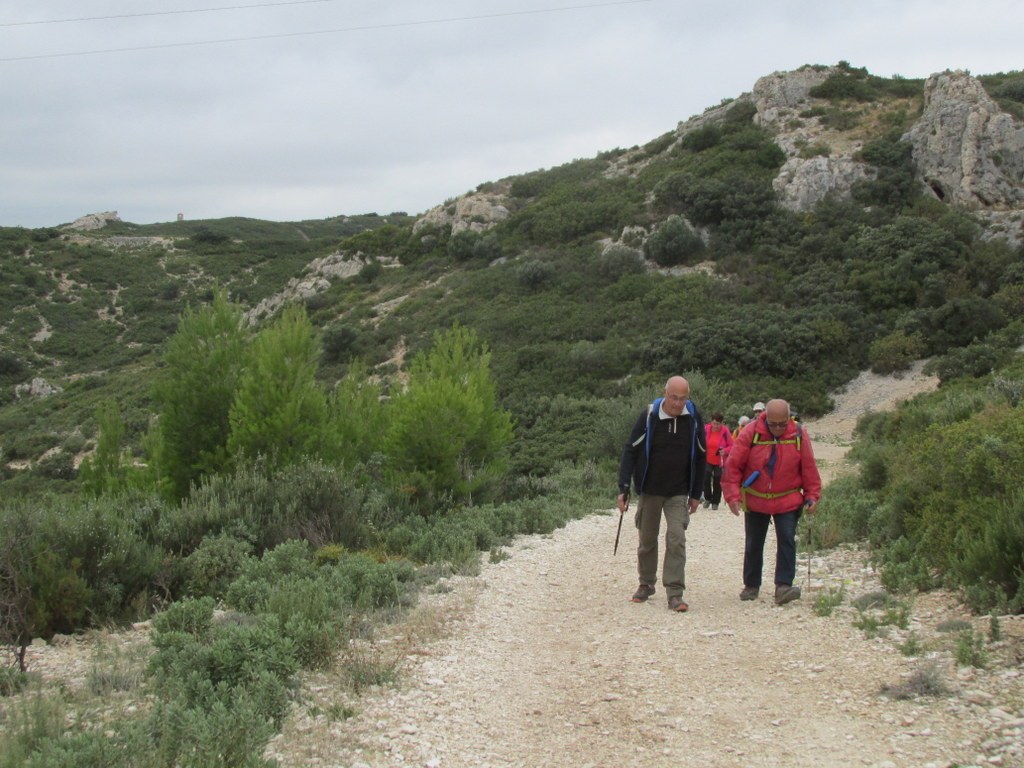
(665, 459)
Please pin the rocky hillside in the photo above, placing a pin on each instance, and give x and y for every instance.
(967, 149)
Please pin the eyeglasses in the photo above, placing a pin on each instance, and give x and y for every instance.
(777, 424)
(677, 398)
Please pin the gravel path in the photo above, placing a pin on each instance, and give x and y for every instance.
(542, 660)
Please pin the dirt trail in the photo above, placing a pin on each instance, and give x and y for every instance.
(546, 662)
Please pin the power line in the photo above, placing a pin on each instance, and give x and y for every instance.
(158, 13)
(364, 28)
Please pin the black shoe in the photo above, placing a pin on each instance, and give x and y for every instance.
(714, 506)
(749, 593)
(784, 593)
(677, 604)
(643, 592)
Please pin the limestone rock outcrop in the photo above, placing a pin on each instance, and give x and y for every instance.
(966, 149)
(476, 212)
(93, 221)
(38, 388)
(319, 276)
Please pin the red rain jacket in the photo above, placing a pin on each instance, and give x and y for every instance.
(795, 477)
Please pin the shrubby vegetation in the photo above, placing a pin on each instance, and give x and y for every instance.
(938, 493)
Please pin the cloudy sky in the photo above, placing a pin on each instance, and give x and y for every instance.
(307, 109)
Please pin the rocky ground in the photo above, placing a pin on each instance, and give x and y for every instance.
(542, 660)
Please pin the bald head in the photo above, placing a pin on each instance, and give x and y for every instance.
(777, 416)
(677, 392)
(676, 383)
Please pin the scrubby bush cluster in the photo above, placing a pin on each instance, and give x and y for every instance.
(938, 494)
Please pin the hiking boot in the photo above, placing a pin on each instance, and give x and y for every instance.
(714, 507)
(677, 604)
(749, 593)
(784, 593)
(706, 504)
(643, 592)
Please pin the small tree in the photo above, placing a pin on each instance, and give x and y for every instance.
(194, 393)
(447, 436)
(674, 242)
(356, 421)
(105, 471)
(280, 411)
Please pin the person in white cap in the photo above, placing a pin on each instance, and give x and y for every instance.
(758, 408)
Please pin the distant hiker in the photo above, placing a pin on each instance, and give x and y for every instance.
(718, 440)
(744, 420)
(772, 476)
(758, 408)
(665, 459)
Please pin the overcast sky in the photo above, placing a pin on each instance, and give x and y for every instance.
(308, 109)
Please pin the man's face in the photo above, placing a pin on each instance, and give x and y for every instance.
(777, 419)
(676, 396)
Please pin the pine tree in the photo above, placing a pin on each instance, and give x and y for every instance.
(447, 435)
(104, 471)
(280, 412)
(194, 392)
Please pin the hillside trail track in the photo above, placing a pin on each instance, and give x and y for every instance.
(542, 660)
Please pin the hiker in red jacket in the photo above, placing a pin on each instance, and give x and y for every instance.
(771, 474)
(718, 440)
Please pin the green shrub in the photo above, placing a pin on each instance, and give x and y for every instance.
(36, 722)
(995, 630)
(230, 727)
(895, 352)
(234, 662)
(310, 501)
(973, 361)
(904, 569)
(970, 650)
(12, 681)
(923, 681)
(991, 568)
(674, 242)
(71, 564)
(911, 646)
(827, 602)
(620, 260)
(953, 625)
(212, 566)
(844, 85)
(844, 513)
(534, 273)
(946, 479)
(875, 460)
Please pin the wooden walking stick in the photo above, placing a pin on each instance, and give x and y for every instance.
(618, 533)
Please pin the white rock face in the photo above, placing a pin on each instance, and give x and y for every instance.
(804, 182)
(781, 95)
(38, 388)
(967, 150)
(320, 273)
(93, 221)
(477, 212)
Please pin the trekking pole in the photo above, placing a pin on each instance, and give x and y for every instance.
(619, 531)
(810, 538)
